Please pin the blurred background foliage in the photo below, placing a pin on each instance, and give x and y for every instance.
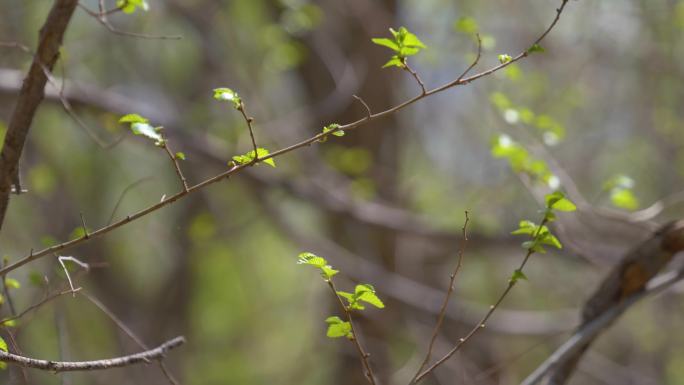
(601, 108)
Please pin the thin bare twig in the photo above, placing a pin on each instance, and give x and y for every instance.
(123, 194)
(483, 322)
(124, 328)
(39, 304)
(239, 168)
(477, 58)
(59, 366)
(450, 289)
(75, 260)
(249, 120)
(365, 105)
(416, 76)
(83, 224)
(102, 19)
(363, 355)
(176, 166)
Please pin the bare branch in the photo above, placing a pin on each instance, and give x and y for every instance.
(176, 166)
(32, 93)
(415, 76)
(365, 105)
(58, 366)
(450, 289)
(102, 19)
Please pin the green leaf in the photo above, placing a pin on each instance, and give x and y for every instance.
(558, 201)
(518, 275)
(383, 41)
(366, 293)
(550, 239)
(395, 61)
(338, 328)
(504, 58)
(133, 118)
(533, 246)
(328, 272)
(535, 48)
(10, 323)
(312, 259)
(180, 156)
(226, 94)
(249, 157)
(332, 127)
(624, 198)
(526, 227)
(466, 25)
(12, 283)
(3, 345)
(130, 6)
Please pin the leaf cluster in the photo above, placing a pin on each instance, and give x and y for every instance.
(403, 43)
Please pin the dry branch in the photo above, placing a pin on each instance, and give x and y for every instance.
(31, 94)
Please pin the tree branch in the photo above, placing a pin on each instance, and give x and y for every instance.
(58, 366)
(31, 94)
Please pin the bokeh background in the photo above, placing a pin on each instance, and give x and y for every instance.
(601, 108)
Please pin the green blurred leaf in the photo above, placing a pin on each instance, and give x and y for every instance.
(130, 6)
(3, 345)
(504, 58)
(558, 201)
(180, 156)
(133, 118)
(624, 198)
(383, 41)
(226, 94)
(518, 275)
(12, 283)
(466, 25)
(312, 259)
(535, 48)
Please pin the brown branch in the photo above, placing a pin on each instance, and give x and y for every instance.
(477, 58)
(157, 353)
(416, 76)
(101, 17)
(363, 355)
(176, 166)
(365, 105)
(629, 276)
(31, 94)
(249, 120)
(450, 289)
(39, 304)
(238, 168)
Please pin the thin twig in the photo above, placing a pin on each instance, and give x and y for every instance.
(369, 114)
(85, 229)
(450, 289)
(58, 366)
(124, 328)
(415, 76)
(39, 304)
(100, 17)
(176, 166)
(481, 325)
(84, 265)
(249, 120)
(477, 58)
(363, 355)
(123, 194)
(238, 168)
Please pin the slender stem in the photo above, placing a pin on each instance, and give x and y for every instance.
(481, 325)
(238, 168)
(450, 289)
(249, 120)
(59, 366)
(415, 76)
(363, 355)
(176, 166)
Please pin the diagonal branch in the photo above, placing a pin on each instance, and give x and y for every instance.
(32, 93)
(304, 143)
(157, 353)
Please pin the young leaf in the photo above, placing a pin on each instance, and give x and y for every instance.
(338, 328)
(249, 157)
(535, 48)
(466, 25)
(366, 293)
(129, 6)
(12, 283)
(505, 58)
(550, 239)
(385, 42)
(227, 94)
(312, 259)
(558, 201)
(331, 127)
(526, 227)
(180, 156)
(624, 198)
(328, 272)
(3, 345)
(395, 61)
(518, 275)
(133, 118)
